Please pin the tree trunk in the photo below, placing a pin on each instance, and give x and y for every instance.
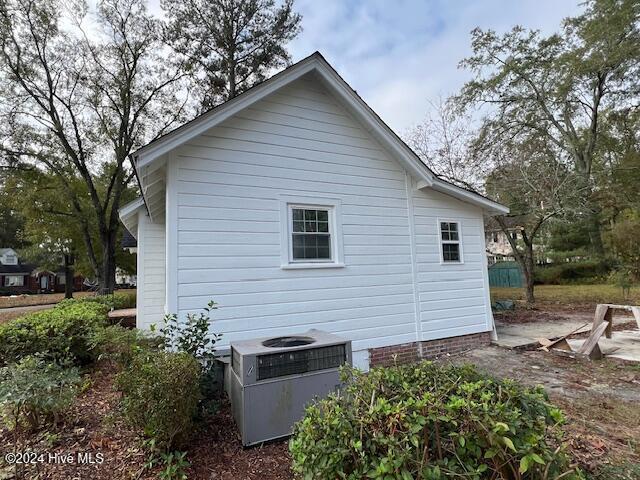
(69, 275)
(595, 234)
(108, 270)
(528, 270)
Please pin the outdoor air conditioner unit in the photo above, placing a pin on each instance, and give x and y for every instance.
(273, 379)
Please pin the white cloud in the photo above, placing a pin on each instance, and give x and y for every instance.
(400, 54)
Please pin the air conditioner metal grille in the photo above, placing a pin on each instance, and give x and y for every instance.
(280, 364)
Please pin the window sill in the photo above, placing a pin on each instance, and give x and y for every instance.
(304, 266)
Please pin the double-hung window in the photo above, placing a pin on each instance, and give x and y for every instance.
(450, 245)
(311, 235)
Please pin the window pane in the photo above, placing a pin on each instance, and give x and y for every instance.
(451, 252)
(323, 227)
(310, 215)
(311, 247)
(298, 240)
(323, 216)
(322, 240)
(298, 214)
(445, 235)
(453, 235)
(298, 226)
(310, 226)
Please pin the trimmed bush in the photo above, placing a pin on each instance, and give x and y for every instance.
(161, 394)
(121, 345)
(64, 331)
(116, 301)
(432, 422)
(36, 391)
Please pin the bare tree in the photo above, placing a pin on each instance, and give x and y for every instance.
(538, 186)
(443, 140)
(76, 106)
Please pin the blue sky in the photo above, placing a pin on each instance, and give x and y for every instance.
(399, 54)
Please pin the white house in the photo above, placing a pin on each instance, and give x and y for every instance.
(294, 206)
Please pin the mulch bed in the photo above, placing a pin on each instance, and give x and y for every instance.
(217, 453)
(94, 426)
(91, 426)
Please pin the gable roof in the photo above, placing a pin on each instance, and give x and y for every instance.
(145, 156)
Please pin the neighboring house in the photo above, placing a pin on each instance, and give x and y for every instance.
(129, 243)
(499, 249)
(18, 278)
(294, 206)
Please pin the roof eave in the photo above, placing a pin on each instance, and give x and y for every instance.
(489, 206)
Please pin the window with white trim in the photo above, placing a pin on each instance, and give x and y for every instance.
(14, 281)
(450, 242)
(310, 234)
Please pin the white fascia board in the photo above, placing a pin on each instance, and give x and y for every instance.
(129, 215)
(148, 154)
(491, 207)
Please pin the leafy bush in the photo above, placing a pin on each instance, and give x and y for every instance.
(161, 395)
(193, 337)
(64, 331)
(34, 390)
(428, 421)
(121, 345)
(174, 463)
(572, 272)
(116, 301)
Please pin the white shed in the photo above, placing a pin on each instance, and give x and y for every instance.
(294, 206)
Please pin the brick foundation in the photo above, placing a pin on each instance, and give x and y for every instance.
(410, 352)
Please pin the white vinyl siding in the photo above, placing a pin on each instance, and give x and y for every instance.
(228, 232)
(150, 272)
(452, 295)
(296, 143)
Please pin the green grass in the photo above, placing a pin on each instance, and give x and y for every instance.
(570, 294)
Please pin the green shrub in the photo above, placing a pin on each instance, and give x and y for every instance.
(35, 391)
(119, 344)
(64, 331)
(192, 336)
(116, 301)
(432, 422)
(160, 395)
(584, 272)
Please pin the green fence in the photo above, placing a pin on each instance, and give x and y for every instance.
(505, 274)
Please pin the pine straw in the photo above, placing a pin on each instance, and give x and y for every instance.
(94, 425)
